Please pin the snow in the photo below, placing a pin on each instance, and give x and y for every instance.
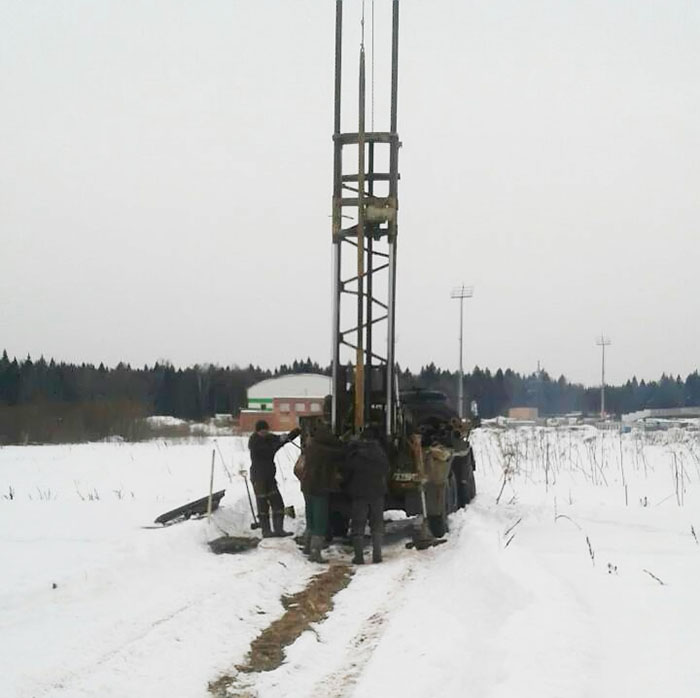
(165, 420)
(544, 587)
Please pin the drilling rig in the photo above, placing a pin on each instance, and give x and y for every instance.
(432, 465)
(369, 199)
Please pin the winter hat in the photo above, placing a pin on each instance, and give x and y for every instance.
(261, 424)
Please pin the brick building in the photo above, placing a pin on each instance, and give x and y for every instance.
(523, 413)
(281, 401)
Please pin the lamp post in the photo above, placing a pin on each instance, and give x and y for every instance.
(602, 342)
(461, 292)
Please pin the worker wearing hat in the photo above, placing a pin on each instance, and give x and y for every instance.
(263, 445)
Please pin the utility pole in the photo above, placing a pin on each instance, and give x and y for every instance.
(602, 342)
(461, 292)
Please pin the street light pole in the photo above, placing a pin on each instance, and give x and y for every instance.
(461, 292)
(602, 342)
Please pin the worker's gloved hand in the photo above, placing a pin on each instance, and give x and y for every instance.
(293, 434)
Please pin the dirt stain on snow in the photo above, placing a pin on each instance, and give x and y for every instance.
(308, 606)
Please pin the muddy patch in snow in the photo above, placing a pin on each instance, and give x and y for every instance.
(308, 606)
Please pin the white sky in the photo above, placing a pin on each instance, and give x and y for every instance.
(165, 181)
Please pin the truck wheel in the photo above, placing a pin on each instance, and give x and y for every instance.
(438, 525)
(463, 470)
(451, 498)
(471, 486)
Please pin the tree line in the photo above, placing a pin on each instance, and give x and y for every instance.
(46, 401)
(50, 401)
(496, 392)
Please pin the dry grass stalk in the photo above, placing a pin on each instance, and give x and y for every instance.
(510, 528)
(590, 550)
(653, 576)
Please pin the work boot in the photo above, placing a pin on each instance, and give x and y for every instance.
(278, 525)
(377, 547)
(307, 542)
(357, 544)
(265, 526)
(316, 545)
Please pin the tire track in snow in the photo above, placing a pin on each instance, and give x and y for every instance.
(359, 650)
(329, 659)
(172, 627)
(126, 645)
(475, 614)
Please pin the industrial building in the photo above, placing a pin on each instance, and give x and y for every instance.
(668, 413)
(281, 401)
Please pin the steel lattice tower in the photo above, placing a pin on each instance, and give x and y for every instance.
(368, 197)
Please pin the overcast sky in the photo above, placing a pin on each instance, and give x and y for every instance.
(165, 181)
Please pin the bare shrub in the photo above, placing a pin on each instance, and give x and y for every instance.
(64, 422)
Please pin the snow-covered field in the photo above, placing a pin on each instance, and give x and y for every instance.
(575, 572)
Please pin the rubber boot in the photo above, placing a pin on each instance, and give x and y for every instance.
(265, 526)
(357, 544)
(316, 545)
(377, 547)
(278, 525)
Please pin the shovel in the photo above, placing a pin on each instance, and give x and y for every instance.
(256, 523)
(288, 511)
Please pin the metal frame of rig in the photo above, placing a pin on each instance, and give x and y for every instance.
(432, 464)
(372, 239)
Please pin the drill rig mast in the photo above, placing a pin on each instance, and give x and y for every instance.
(431, 461)
(364, 254)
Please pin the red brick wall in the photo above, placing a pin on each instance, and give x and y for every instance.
(249, 417)
(279, 419)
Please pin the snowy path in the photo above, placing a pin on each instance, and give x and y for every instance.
(330, 660)
(512, 604)
(447, 619)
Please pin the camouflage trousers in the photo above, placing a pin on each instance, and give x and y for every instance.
(267, 497)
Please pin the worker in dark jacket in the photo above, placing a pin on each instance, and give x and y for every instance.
(263, 445)
(323, 459)
(366, 471)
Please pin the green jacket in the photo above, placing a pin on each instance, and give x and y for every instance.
(323, 458)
